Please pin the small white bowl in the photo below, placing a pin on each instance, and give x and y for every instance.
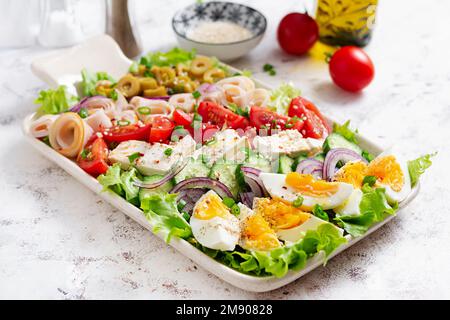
(245, 16)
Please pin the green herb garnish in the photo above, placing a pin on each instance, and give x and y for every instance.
(83, 113)
(235, 210)
(196, 94)
(298, 202)
(134, 156)
(370, 180)
(144, 110)
(168, 151)
(229, 202)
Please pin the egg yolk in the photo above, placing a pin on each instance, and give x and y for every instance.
(387, 171)
(279, 214)
(307, 185)
(352, 173)
(210, 207)
(258, 235)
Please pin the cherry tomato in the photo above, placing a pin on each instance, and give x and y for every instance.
(182, 118)
(161, 129)
(297, 33)
(93, 158)
(121, 133)
(218, 115)
(266, 119)
(351, 68)
(315, 125)
(204, 132)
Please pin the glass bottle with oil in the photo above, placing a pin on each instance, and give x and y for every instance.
(346, 22)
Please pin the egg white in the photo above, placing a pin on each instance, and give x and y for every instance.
(392, 195)
(276, 186)
(216, 233)
(351, 205)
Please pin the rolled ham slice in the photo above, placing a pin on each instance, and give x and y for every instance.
(69, 134)
(242, 82)
(259, 97)
(40, 127)
(98, 120)
(147, 109)
(234, 94)
(184, 101)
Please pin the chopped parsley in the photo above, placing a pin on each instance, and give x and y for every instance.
(134, 156)
(168, 151)
(196, 94)
(84, 154)
(270, 69)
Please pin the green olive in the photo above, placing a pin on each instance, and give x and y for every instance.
(199, 65)
(212, 75)
(148, 83)
(158, 92)
(129, 86)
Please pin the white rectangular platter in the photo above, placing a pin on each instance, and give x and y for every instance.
(103, 54)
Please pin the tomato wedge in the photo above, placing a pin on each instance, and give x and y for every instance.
(182, 118)
(315, 125)
(161, 129)
(263, 118)
(120, 133)
(93, 158)
(219, 115)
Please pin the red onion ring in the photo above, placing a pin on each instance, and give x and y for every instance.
(251, 177)
(247, 198)
(334, 156)
(310, 166)
(202, 182)
(166, 98)
(190, 196)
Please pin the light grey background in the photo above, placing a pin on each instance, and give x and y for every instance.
(58, 240)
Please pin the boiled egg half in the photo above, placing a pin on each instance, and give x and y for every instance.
(289, 187)
(213, 225)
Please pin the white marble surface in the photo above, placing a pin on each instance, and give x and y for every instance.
(60, 241)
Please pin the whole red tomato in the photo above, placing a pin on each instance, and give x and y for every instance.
(297, 33)
(351, 68)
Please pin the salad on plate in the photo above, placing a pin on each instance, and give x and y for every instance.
(256, 179)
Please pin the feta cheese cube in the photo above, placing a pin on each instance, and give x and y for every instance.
(289, 142)
(125, 149)
(157, 160)
(226, 145)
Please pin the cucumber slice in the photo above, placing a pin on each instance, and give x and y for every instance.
(285, 164)
(319, 156)
(226, 173)
(194, 168)
(335, 140)
(257, 161)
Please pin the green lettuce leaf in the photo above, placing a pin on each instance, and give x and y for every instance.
(170, 58)
(55, 101)
(418, 166)
(162, 212)
(279, 261)
(373, 208)
(89, 82)
(121, 183)
(345, 131)
(280, 98)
